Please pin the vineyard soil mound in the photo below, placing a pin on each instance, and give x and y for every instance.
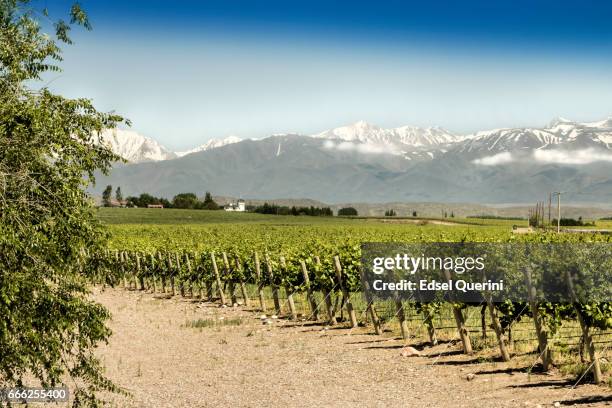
(182, 353)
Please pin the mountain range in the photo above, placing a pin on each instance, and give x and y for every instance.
(363, 162)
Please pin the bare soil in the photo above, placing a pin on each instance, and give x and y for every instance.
(232, 359)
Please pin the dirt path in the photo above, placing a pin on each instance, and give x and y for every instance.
(240, 362)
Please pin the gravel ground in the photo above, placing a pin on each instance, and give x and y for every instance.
(235, 360)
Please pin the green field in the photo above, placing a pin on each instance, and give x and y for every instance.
(171, 229)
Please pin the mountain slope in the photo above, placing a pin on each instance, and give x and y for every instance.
(211, 144)
(362, 163)
(405, 137)
(134, 147)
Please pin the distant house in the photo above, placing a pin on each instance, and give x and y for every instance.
(117, 203)
(155, 206)
(239, 206)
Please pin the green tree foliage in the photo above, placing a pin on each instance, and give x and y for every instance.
(390, 213)
(107, 195)
(118, 195)
(284, 210)
(49, 326)
(145, 199)
(185, 200)
(347, 211)
(572, 222)
(209, 203)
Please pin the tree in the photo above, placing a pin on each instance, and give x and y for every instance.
(390, 213)
(50, 148)
(185, 200)
(106, 196)
(208, 198)
(347, 211)
(209, 203)
(414, 213)
(118, 195)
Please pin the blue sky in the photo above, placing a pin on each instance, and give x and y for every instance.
(185, 72)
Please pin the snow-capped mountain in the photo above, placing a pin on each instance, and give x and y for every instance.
(413, 143)
(401, 137)
(134, 147)
(559, 133)
(211, 144)
(362, 163)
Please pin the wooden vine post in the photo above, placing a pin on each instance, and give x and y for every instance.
(154, 286)
(277, 305)
(314, 308)
(209, 284)
(120, 262)
(260, 283)
(139, 272)
(200, 279)
(327, 296)
(125, 259)
(460, 322)
(345, 292)
(288, 290)
(587, 336)
(537, 321)
(170, 268)
(163, 275)
(217, 278)
(178, 273)
(228, 273)
(243, 289)
(188, 263)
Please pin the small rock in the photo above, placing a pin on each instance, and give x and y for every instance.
(268, 321)
(235, 305)
(410, 352)
(274, 317)
(557, 404)
(263, 317)
(223, 306)
(470, 377)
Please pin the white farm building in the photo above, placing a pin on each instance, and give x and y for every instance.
(239, 206)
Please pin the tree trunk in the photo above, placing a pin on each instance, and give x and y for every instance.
(401, 317)
(541, 334)
(345, 292)
(586, 334)
(460, 322)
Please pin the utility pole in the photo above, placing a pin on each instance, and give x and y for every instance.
(558, 194)
(549, 204)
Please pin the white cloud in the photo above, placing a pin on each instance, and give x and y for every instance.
(585, 156)
(496, 159)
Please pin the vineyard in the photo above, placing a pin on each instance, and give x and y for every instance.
(311, 272)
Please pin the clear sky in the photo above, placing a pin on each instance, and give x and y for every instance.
(188, 71)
